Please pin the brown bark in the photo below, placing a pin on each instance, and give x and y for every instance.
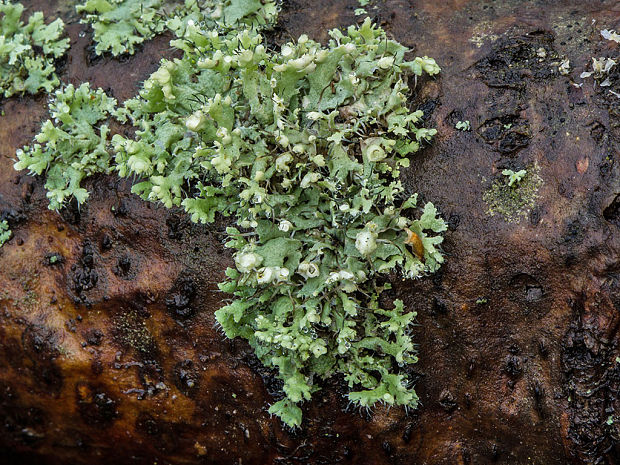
(111, 356)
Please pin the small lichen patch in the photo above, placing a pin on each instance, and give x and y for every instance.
(463, 125)
(604, 69)
(28, 51)
(5, 232)
(120, 25)
(482, 33)
(514, 200)
(364, 5)
(72, 145)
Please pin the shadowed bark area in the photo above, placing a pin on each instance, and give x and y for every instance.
(110, 354)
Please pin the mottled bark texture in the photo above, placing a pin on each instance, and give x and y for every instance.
(109, 355)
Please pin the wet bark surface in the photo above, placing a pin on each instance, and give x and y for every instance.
(109, 354)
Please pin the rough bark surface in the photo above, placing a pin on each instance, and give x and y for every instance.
(110, 355)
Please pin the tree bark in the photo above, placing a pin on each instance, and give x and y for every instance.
(110, 355)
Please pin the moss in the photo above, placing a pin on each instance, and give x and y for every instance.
(514, 202)
(31, 299)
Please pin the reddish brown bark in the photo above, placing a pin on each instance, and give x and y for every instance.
(111, 356)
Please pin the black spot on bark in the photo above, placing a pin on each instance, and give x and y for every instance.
(179, 303)
(40, 345)
(96, 407)
(612, 212)
(447, 401)
(186, 377)
(94, 337)
(83, 275)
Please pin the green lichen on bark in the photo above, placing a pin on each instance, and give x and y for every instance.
(119, 25)
(28, 51)
(5, 232)
(72, 145)
(304, 148)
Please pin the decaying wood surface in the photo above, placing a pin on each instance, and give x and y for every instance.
(110, 355)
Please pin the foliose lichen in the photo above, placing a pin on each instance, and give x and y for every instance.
(463, 125)
(603, 67)
(5, 232)
(28, 51)
(362, 7)
(514, 177)
(73, 144)
(303, 147)
(120, 25)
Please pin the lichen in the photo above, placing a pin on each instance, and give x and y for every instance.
(303, 147)
(463, 126)
(28, 51)
(514, 177)
(72, 145)
(513, 195)
(119, 25)
(602, 68)
(5, 232)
